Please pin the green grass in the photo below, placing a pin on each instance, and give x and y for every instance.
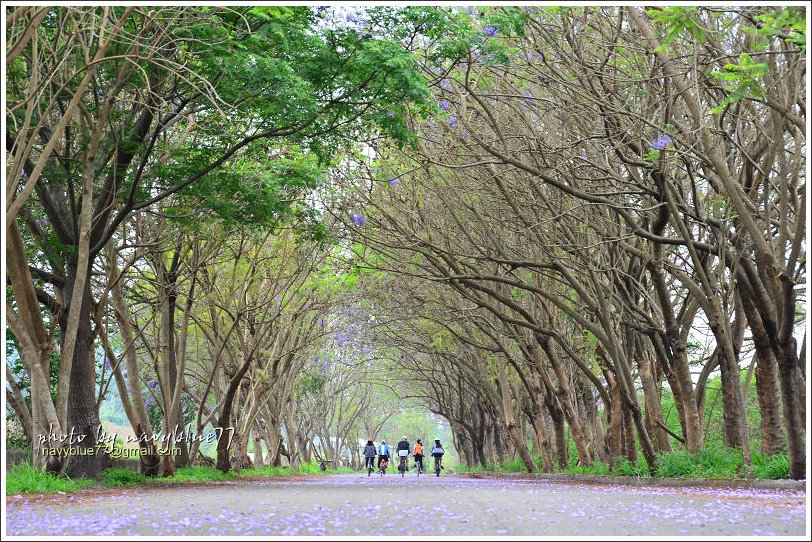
(24, 478)
(775, 467)
(198, 474)
(715, 461)
(122, 477)
(598, 467)
(267, 471)
(625, 467)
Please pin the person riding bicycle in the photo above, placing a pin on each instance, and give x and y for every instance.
(403, 445)
(383, 451)
(437, 453)
(369, 454)
(418, 455)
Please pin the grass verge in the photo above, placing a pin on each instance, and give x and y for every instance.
(23, 478)
(712, 462)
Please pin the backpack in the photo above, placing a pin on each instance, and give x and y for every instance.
(383, 449)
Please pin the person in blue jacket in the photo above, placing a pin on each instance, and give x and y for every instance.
(383, 451)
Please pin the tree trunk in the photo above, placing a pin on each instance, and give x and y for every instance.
(654, 411)
(630, 448)
(561, 448)
(772, 433)
(790, 391)
(224, 422)
(614, 419)
(83, 416)
(540, 429)
(510, 421)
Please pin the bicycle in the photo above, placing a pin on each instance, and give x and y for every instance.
(370, 465)
(418, 463)
(383, 465)
(403, 464)
(438, 465)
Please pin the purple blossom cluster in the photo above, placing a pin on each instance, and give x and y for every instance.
(358, 220)
(661, 142)
(490, 30)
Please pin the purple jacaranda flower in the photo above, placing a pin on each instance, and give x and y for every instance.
(444, 105)
(107, 363)
(528, 96)
(437, 69)
(394, 182)
(661, 142)
(146, 402)
(352, 17)
(452, 121)
(490, 30)
(152, 383)
(358, 220)
(445, 84)
(321, 324)
(464, 134)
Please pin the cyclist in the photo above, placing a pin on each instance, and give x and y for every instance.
(369, 456)
(418, 456)
(403, 453)
(383, 452)
(437, 453)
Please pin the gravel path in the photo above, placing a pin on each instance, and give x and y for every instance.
(353, 504)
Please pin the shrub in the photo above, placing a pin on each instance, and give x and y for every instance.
(772, 467)
(309, 468)
(24, 478)
(466, 468)
(678, 464)
(625, 467)
(200, 474)
(122, 477)
(598, 467)
(514, 465)
(266, 471)
(718, 462)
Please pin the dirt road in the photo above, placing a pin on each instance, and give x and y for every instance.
(353, 504)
